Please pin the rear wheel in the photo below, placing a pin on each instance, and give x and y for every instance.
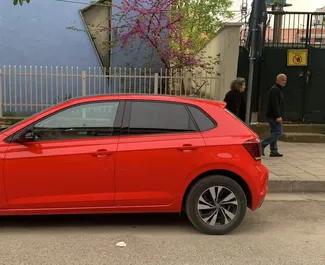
(216, 205)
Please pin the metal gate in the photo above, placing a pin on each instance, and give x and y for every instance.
(305, 90)
(275, 62)
(314, 105)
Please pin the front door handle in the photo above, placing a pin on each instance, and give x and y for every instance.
(102, 152)
(187, 147)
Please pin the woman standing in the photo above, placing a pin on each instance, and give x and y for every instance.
(235, 98)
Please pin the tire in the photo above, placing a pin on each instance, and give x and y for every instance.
(216, 218)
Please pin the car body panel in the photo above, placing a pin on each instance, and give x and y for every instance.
(151, 191)
(3, 150)
(60, 174)
(137, 180)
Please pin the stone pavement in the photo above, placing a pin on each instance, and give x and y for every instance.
(302, 169)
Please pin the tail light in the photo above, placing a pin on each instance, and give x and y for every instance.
(254, 148)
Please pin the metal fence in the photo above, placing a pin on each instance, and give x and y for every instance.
(292, 29)
(26, 90)
(297, 29)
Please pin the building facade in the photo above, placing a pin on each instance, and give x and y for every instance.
(49, 52)
(54, 33)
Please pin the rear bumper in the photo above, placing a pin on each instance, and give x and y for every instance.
(258, 196)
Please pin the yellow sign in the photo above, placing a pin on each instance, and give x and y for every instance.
(297, 57)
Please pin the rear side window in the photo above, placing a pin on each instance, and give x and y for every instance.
(202, 120)
(159, 117)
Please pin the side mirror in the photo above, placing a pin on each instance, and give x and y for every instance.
(28, 136)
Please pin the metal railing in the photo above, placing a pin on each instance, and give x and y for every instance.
(292, 29)
(27, 90)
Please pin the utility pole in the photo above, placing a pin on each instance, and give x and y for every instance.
(252, 54)
(254, 34)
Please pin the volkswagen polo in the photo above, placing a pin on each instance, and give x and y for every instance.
(134, 154)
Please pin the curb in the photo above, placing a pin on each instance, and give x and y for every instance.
(293, 186)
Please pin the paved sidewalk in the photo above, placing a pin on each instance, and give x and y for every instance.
(301, 169)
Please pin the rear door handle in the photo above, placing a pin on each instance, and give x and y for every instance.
(187, 147)
(102, 152)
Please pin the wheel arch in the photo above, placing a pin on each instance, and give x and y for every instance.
(240, 181)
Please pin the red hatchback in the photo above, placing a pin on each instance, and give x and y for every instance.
(134, 154)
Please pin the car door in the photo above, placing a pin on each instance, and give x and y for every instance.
(159, 147)
(69, 163)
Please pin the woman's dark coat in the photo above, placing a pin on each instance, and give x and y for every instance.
(236, 103)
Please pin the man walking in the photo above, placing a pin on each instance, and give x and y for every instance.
(274, 114)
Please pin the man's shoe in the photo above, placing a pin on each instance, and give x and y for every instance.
(275, 154)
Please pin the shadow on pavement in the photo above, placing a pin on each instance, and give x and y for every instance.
(109, 222)
(97, 219)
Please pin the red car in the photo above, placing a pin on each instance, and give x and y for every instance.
(134, 154)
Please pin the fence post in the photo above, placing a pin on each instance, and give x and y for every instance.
(156, 84)
(83, 83)
(1, 114)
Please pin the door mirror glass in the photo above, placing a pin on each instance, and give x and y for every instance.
(28, 136)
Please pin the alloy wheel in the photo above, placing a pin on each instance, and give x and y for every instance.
(217, 206)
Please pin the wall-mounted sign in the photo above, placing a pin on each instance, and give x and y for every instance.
(297, 57)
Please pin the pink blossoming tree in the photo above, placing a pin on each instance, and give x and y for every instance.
(175, 30)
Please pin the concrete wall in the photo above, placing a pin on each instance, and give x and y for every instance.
(226, 43)
(36, 34)
(98, 20)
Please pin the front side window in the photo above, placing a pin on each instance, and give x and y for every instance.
(86, 120)
(159, 117)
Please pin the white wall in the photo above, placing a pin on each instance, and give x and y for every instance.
(226, 43)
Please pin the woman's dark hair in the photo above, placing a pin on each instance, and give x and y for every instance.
(237, 84)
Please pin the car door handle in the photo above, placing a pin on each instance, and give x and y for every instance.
(101, 152)
(187, 147)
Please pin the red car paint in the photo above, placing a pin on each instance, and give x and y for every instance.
(122, 173)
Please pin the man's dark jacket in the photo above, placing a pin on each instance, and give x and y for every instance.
(275, 104)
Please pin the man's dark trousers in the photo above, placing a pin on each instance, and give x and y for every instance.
(276, 132)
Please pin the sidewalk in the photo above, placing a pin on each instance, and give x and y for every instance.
(302, 169)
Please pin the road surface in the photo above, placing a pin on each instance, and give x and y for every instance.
(281, 232)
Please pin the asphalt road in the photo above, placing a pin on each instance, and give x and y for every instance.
(281, 232)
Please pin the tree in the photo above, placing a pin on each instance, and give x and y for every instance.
(202, 18)
(15, 2)
(176, 29)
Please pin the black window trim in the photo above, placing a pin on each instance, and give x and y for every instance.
(127, 117)
(205, 113)
(116, 126)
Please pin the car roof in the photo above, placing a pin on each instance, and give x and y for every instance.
(149, 97)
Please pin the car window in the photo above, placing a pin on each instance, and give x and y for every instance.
(202, 120)
(159, 117)
(87, 120)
